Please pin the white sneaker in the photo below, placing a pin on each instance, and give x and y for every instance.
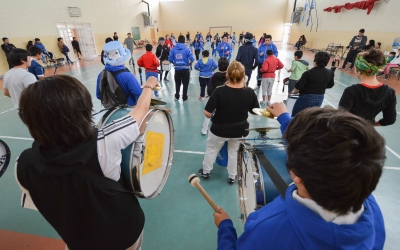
(204, 132)
(202, 98)
(262, 103)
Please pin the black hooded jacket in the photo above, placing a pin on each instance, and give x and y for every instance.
(86, 216)
(217, 79)
(368, 102)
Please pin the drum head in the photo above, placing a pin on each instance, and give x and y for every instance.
(5, 156)
(248, 181)
(166, 62)
(157, 152)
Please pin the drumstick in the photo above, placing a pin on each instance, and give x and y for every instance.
(195, 182)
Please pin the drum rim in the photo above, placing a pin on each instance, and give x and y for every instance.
(169, 161)
(8, 157)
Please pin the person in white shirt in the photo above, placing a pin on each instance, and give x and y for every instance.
(18, 78)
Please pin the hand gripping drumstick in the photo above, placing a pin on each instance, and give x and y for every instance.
(195, 182)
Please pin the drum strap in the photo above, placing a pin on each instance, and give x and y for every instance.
(276, 178)
(102, 181)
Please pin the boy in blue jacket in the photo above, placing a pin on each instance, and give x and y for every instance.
(182, 58)
(35, 67)
(331, 205)
(206, 67)
(115, 56)
(224, 48)
(262, 55)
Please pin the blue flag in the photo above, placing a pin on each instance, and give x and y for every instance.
(309, 12)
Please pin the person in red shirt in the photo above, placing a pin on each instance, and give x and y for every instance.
(150, 63)
(168, 42)
(270, 65)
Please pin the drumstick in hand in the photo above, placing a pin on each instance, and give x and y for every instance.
(195, 182)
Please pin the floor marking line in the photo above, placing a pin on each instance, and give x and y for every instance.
(392, 168)
(16, 138)
(6, 111)
(3, 97)
(87, 71)
(189, 152)
(393, 152)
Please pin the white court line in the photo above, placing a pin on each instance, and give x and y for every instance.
(16, 138)
(6, 111)
(3, 97)
(189, 152)
(392, 168)
(87, 71)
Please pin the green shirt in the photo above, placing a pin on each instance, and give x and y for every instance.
(298, 69)
(390, 58)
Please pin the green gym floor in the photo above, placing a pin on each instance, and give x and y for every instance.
(180, 218)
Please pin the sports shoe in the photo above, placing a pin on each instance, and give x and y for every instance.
(205, 176)
(176, 99)
(257, 87)
(201, 98)
(262, 103)
(204, 132)
(284, 102)
(184, 100)
(166, 80)
(230, 181)
(350, 68)
(386, 77)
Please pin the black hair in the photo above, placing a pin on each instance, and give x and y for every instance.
(362, 31)
(4, 39)
(375, 56)
(29, 45)
(223, 64)
(109, 39)
(298, 54)
(18, 55)
(392, 53)
(73, 38)
(59, 39)
(35, 51)
(372, 42)
(149, 47)
(129, 34)
(181, 39)
(322, 59)
(342, 167)
(37, 39)
(205, 53)
(268, 37)
(270, 52)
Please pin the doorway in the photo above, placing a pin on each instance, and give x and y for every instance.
(286, 33)
(153, 36)
(84, 34)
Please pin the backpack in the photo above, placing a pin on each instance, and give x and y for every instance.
(111, 92)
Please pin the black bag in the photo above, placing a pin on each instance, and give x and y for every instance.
(111, 92)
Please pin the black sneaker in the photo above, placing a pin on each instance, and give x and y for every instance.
(166, 80)
(231, 181)
(205, 176)
(386, 77)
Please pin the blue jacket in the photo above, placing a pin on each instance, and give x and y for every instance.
(206, 69)
(180, 56)
(40, 46)
(286, 224)
(225, 47)
(264, 48)
(36, 69)
(128, 83)
(197, 45)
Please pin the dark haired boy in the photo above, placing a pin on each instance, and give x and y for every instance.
(298, 68)
(150, 62)
(18, 78)
(162, 53)
(330, 205)
(355, 46)
(313, 84)
(224, 48)
(7, 47)
(36, 68)
(182, 58)
(76, 47)
(206, 66)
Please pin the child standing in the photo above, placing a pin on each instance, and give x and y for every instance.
(150, 62)
(270, 65)
(206, 67)
(298, 68)
(217, 79)
(162, 54)
(197, 46)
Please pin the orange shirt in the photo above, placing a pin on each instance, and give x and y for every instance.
(149, 61)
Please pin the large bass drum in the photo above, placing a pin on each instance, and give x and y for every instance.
(147, 161)
(256, 188)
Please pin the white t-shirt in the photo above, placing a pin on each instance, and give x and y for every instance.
(16, 80)
(111, 139)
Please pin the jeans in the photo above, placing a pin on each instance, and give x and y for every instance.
(10, 66)
(214, 52)
(307, 101)
(182, 77)
(197, 53)
(248, 74)
(203, 84)
(66, 56)
(350, 58)
(44, 59)
(148, 74)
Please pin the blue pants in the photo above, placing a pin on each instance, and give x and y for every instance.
(148, 74)
(307, 101)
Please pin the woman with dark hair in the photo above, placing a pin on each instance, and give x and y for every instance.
(313, 83)
(197, 47)
(262, 39)
(302, 40)
(370, 97)
(115, 36)
(29, 45)
(230, 104)
(57, 172)
(370, 45)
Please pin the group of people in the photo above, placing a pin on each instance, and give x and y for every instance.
(327, 208)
